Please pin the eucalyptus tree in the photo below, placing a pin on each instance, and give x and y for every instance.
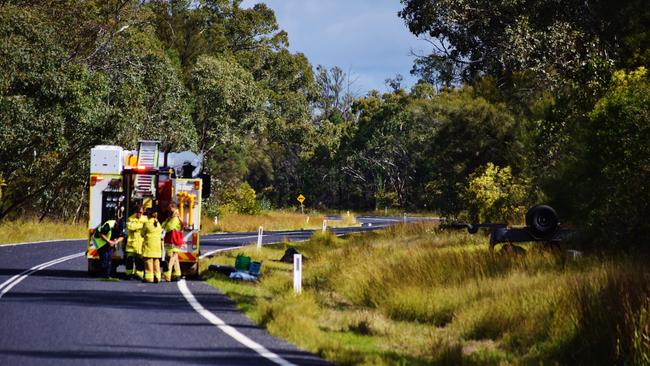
(553, 41)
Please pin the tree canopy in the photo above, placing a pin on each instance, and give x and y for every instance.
(518, 102)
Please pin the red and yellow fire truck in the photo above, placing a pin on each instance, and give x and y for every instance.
(121, 180)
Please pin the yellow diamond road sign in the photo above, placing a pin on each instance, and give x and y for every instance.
(301, 198)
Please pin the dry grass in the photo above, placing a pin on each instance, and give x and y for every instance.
(415, 295)
(32, 230)
(272, 220)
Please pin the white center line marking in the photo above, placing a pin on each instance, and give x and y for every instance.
(13, 281)
(39, 242)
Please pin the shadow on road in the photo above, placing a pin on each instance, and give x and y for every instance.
(61, 273)
(193, 356)
(107, 297)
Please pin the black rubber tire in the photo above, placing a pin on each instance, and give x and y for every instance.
(472, 229)
(93, 267)
(542, 221)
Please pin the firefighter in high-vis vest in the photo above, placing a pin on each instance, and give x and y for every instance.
(172, 224)
(152, 248)
(107, 237)
(133, 249)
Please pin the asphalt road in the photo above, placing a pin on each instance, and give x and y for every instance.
(52, 313)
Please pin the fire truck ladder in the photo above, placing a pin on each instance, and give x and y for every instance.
(148, 159)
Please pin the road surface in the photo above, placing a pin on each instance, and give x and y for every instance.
(52, 313)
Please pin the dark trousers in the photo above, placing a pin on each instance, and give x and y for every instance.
(133, 263)
(105, 259)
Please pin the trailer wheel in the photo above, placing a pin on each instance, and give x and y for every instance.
(542, 221)
(472, 229)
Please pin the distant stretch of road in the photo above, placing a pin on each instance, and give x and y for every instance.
(52, 313)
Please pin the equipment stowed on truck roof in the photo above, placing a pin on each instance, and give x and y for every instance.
(121, 180)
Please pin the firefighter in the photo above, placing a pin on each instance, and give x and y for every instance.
(107, 237)
(133, 250)
(152, 248)
(172, 228)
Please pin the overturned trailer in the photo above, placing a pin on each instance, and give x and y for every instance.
(542, 225)
(121, 180)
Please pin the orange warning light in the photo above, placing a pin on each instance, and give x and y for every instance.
(95, 178)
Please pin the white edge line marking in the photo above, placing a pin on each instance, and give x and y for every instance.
(39, 242)
(229, 330)
(202, 256)
(208, 254)
(222, 250)
(13, 281)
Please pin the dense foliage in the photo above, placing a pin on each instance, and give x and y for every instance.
(520, 101)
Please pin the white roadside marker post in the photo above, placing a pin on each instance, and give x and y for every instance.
(260, 234)
(324, 226)
(405, 217)
(216, 220)
(297, 273)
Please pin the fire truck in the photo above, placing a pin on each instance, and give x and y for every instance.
(121, 180)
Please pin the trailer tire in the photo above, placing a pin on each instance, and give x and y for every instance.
(472, 229)
(542, 221)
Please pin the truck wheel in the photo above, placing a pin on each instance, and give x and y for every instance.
(542, 221)
(472, 229)
(190, 270)
(93, 267)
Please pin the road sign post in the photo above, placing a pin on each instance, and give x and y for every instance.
(260, 234)
(297, 273)
(324, 226)
(301, 199)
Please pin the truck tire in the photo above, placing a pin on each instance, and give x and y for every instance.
(542, 221)
(93, 267)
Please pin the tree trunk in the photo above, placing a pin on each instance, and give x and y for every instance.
(82, 201)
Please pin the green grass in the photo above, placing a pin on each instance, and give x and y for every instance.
(28, 230)
(414, 295)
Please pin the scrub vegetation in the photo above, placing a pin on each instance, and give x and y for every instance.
(517, 103)
(271, 220)
(416, 295)
(34, 230)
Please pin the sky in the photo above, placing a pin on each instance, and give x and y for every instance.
(365, 38)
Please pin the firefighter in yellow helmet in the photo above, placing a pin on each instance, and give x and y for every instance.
(134, 241)
(172, 227)
(152, 248)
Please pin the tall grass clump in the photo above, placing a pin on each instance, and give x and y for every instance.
(34, 230)
(413, 294)
(611, 304)
(270, 220)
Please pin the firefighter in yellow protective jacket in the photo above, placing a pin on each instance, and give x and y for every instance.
(133, 250)
(152, 248)
(172, 224)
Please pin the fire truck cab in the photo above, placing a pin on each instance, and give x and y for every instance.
(121, 180)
